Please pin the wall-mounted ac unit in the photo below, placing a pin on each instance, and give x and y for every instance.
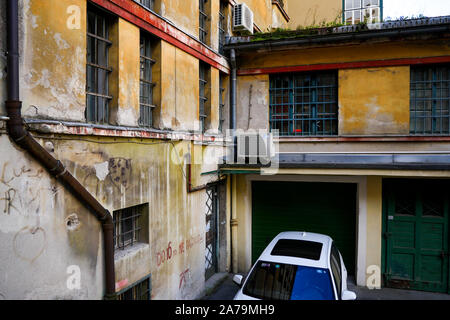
(242, 18)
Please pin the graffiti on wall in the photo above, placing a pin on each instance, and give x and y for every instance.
(169, 252)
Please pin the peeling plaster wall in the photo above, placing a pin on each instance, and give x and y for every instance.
(38, 241)
(374, 101)
(34, 223)
(53, 59)
(262, 12)
(252, 110)
(183, 13)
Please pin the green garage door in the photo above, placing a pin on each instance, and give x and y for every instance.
(327, 208)
(416, 234)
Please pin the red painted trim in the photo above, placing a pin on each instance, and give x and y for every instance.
(145, 19)
(366, 139)
(346, 65)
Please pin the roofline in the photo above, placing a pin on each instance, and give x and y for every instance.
(245, 43)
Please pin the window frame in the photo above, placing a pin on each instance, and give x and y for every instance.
(222, 25)
(361, 9)
(134, 288)
(203, 98)
(148, 4)
(120, 243)
(95, 94)
(146, 102)
(222, 99)
(310, 117)
(203, 21)
(432, 86)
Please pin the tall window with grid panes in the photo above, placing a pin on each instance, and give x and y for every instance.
(368, 11)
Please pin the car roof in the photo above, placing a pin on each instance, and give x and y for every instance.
(322, 262)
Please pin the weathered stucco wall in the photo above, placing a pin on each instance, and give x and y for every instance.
(252, 110)
(179, 89)
(53, 58)
(262, 12)
(124, 79)
(374, 101)
(44, 231)
(348, 53)
(313, 12)
(181, 13)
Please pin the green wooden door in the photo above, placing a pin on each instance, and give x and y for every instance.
(417, 234)
(327, 208)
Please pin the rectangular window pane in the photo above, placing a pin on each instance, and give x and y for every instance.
(97, 69)
(304, 104)
(146, 84)
(430, 100)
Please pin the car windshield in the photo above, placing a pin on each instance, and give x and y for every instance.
(279, 281)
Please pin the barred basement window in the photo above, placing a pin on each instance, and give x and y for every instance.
(127, 226)
(430, 100)
(146, 84)
(202, 95)
(140, 291)
(97, 69)
(149, 4)
(203, 18)
(223, 6)
(304, 104)
(221, 101)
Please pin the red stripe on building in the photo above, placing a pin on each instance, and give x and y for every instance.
(346, 65)
(145, 19)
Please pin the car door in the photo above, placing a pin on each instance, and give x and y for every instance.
(336, 270)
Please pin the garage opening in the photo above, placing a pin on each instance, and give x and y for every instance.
(327, 208)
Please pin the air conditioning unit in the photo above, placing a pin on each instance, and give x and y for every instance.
(242, 18)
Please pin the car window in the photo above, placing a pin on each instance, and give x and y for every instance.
(335, 263)
(278, 281)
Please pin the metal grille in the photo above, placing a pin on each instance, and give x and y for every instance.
(222, 26)
(149, 4)
(304, 104)
(203, 17)
(430, 100)
(140, 291)
(146, 84)
(221, 101)
(211, 232)
(97, 69)
(202, 95)
(126, 226)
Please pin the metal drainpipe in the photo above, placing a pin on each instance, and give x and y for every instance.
(23, 138)
(233, 218)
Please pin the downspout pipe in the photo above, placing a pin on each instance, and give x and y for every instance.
(233, 126)
(24, 140)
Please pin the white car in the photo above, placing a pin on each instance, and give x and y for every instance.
(297, 266)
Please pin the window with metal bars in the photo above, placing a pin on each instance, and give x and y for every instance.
(127, 226)
(139, 291)
(430, 100)
(149, 4)
(203, 71)
(221, 101)
(97, 68)
(203, 18)
(304, 104)
(223, 6)
(146, 84)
